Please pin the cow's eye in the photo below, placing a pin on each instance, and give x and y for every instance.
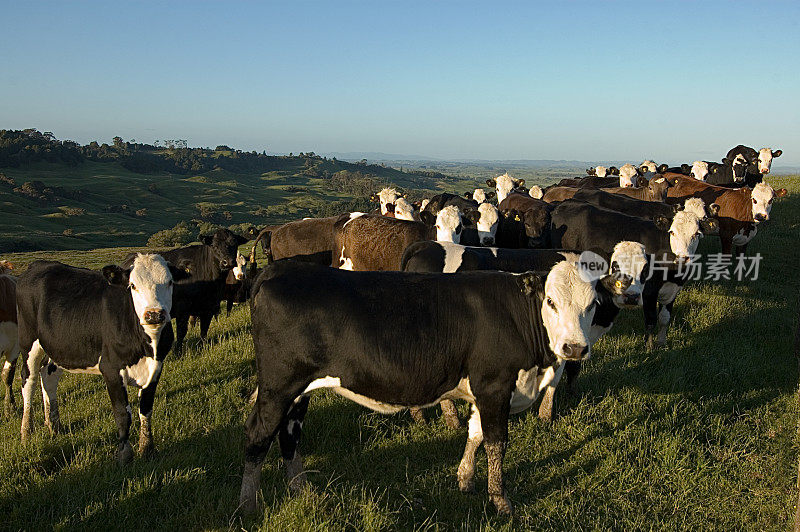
(170, 283)
(672, 233)
(132, 286)
(754, 201)
(551, 304)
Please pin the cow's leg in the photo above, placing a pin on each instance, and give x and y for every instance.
(181, 328)
(32, 364)
(50, 376)
(664, 317)
(205, 323)
(146, 399)
(9, 367)
(122, 412)
(229, 306)
(650, 309)
(494, 410)
(450, 414)
(417, 415)
(548, 406)
(573, 369)
(741, 251)
(269, 411)
(289, 438)
(466, 469)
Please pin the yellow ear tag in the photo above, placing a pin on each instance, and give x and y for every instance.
(618, 284)
(516, 218)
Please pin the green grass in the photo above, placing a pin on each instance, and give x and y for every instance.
(698, 436)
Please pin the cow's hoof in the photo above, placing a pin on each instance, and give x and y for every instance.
(466, 485)
(298, 483)
(418, 416)
(450, 415)
(502, 504)
(54, 427)
(546, 412)
(651, 344)
(25, 436)
(147, 449)
(125, 454)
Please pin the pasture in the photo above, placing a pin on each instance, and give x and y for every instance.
(700, 435)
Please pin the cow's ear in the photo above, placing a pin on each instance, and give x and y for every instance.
(686, 169)
(428, 218)
(713, 209)
(178, 274)
(662, 222)
(490, 194)
(662, 168)
(373, 197)
(676, 208)
(468, 195)
(776, 153)
(781, 193)
(613, 171)
(610, 284)
(491, 183)
(531, 284)
(206, 239)
(473, 216)
(590, 171)
(519, 183)
(116, 275)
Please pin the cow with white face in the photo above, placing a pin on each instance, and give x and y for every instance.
(387, 198)
(404, 210)
(600, 171)
(487, 224)
(628, 175)
(536, 192)
(648, 169)
(567, 312)
(239, 271)
(627, 266)
(762, 196)
(699, 170)
(504, 184)
(115, 323)
(765, 156)
(449, 225)
(685, 234)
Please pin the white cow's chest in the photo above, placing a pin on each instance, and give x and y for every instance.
(668, 292)
(743, 236)
(142, 373)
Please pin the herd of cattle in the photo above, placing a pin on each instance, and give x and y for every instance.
(407, 307)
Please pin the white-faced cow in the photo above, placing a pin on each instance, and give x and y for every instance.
(759, 162)
(491, 338)
(404, 210)
(115, 323)
(480, 195)
(387, 198)
(628, 176)
(504, 184)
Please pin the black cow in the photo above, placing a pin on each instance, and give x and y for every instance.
(758, 162)
(731, 173)
(490, 338)
(115, 323)
(440, 201)
(626, 204)
(202, 292)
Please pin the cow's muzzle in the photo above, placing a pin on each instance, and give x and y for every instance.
(761, 217)
(155, 317)
(487, 241)
(631, 300)
(574, 351)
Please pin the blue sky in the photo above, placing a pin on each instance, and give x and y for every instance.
(576, 80)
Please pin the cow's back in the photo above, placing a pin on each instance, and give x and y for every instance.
(375, 243)
(8, 298)
(310, 239)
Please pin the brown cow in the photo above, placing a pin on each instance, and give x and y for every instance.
(307, 240)
(654, 190)
(9, 342)
(535, 215)
(740, 209)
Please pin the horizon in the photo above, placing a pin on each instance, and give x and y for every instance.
(446, 82)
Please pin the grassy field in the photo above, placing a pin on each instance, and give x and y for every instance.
(700, 435)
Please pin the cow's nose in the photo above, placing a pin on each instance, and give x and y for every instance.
(760, 217)
(155, 317)
(488, 241)
(574, 351)
(631, 299)
(765, 171)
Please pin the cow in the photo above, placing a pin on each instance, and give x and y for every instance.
(625, 204)
(732, 172)
(629, 175)
(536, 192)
(534, 215)
(649, 169)
(602, 171)
(654, 190)
(387, 197)
(115, 322)
(233, 292)
(479, 195)
(758, 162)
(492, 338)
(368, 242)
(202, 292)
(486, 220)
(740, 210)
(440, 201)
(404, 210)
(9, 340)
(307, 240)
(504, 184)
(683, 169)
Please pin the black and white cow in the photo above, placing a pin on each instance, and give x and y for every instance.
(732, 172)
(387, 197)
(445, 199)
(202, 292)
(115, 323)
(486, 220)
(504, 184)
(9, 338)
(490, 338)
(758, 162)
(480, 195)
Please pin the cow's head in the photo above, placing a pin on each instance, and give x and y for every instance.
(685, 233)
(423, 204)
(387, 198)
(657, 189)
(149, 281)
(627, 268)
(699, 170)
(487, 223)
(478, 195)
(706, 213)
(765, 156)
(5, 266)
(504, 184)
(738, 165)
(648, 169)
(536, 222)
(240, 270)
(568, 305)
(762, 198)
(224, 246)
(449, 225)
(599, 171)
(628, 175)
(536, 192)
(403, 210)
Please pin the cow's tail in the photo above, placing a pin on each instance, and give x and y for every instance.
(265, 236)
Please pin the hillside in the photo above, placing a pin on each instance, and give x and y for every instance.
(57, 195)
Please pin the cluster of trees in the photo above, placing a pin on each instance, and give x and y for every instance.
(31, 146)
(185, 232)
